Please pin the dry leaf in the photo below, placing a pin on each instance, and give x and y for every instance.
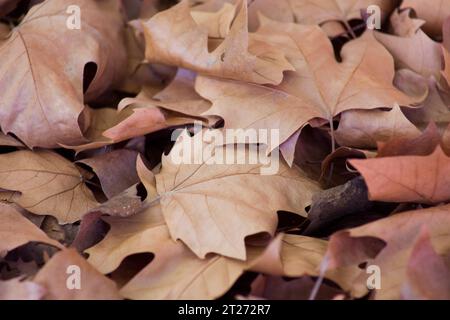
(213, 207)
(116, 170)
(43, 79)
(433, 15)
(364, 128)
(49, 184)
(362, 81)
(16, 230)
(55, 276)
(237, 57)
(422, 179)
(15, 289)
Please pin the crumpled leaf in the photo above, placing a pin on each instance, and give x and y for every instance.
(49, 184)
(239, 56)
(362, 81)
(42, 80)
(423, 179)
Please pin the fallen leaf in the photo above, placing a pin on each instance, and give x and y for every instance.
(364, 128)
(422, 179)
(237, 57)
(116, 170)
(55, 277)
(16, 289)
(212, 207)
(433, 15)
(16, 230)
(42, 77)
(49, 184)
(427, 275)
(364, 83)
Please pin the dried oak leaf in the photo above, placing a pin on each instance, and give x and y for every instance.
(16, 230)
(212, 207)
(423, 179)
(363, 80)
(54, 277)
(41, 79)
(238, 56)
(434, 15)
(49, 184)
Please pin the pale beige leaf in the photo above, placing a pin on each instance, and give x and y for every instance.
(41, 78)
(237, 57)
(49, 184)
(93, 285)
(364, 128)
(16, 230)
(434, 15)
(362, 81)
(212, 207)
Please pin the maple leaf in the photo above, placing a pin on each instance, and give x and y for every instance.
(48, 183)
(389, 179)
(43, 79)
(239, 56)
(197, 199)
(363, 80)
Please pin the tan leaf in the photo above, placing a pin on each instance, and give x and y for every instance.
(49, 184)
(403, 25)
(423, 179)
(433, 15)
(418, 53)
(15, 289)
(55, 274)
(318, 12)
(362, 81)
(43, 78)
(364, 128)
(237, 57)
(435, 108)
(212, 207)
(16, 230)
(400, 233)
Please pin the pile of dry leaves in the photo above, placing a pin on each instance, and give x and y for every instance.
(94, 205)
